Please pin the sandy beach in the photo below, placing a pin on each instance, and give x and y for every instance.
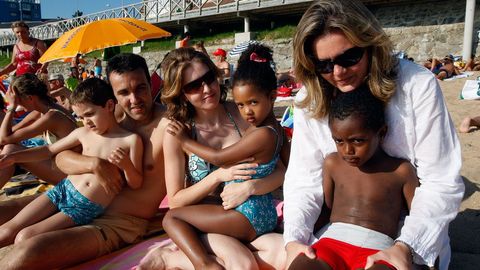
(465, 229)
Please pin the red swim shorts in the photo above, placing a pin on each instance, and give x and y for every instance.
(342, 256)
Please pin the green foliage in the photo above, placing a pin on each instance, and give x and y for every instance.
(286, 31)
(77, 13)
(4, 60)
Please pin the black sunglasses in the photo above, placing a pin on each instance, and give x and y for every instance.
(195, 85)
(347, 59)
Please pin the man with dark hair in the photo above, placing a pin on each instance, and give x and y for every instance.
(125, 220)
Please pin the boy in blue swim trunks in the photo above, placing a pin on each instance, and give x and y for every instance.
(78, 199)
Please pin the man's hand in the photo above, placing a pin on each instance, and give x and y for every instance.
(295, 248)
(397, 255)
(109, 176)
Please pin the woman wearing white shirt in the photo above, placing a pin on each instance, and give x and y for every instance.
(339, 45)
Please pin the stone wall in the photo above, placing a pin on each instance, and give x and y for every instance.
(428, 28)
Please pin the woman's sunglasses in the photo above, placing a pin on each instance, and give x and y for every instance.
(347, 59)
(193, 86)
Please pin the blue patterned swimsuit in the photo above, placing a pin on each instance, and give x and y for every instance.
(258, 209)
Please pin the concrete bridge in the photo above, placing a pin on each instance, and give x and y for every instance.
(174, 14)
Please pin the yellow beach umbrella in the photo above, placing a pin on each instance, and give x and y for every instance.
(99, 35)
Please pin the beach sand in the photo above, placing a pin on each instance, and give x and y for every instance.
(465, 229)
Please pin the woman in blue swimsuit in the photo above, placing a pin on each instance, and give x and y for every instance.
(193, 96)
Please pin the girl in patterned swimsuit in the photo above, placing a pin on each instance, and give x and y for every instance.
(254, 86)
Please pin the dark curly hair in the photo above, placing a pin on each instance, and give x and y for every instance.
(254, 67)
(360, 102)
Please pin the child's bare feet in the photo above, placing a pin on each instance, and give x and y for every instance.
(465, 125)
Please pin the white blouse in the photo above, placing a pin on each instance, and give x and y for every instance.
(419, 130)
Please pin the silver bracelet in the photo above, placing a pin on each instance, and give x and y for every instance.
(412, 252)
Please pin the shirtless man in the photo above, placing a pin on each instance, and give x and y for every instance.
(125, 220)
(222, 64)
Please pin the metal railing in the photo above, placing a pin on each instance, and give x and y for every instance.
(153, 11)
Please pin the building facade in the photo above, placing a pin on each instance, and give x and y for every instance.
(20, 10)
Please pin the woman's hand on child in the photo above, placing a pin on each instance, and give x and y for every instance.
(242, 171)
(397, 255)
(295, 248)
(235, 194)
(177, 130)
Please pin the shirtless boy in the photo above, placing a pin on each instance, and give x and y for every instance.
(366, 189)
(78, 199)
(126, 219)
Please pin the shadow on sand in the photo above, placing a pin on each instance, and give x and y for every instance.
(465, 234)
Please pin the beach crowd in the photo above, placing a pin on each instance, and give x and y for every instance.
(370, 178)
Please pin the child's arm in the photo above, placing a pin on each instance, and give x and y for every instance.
(247, 147)
(43, 152)
(328, 183)
(132, 166)
(27, 120)
(285, 152)
(407, 172)
(11, 134)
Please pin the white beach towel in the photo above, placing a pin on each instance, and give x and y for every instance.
(459, 76)
(471, 90)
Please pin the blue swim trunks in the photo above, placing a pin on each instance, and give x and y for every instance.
(73, 204)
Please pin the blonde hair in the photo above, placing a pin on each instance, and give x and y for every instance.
(362, 29)
(173, 68)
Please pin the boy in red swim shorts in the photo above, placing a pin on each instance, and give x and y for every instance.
(365, 189)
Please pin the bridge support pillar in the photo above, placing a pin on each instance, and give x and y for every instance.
(468, 30)
(246, 24)
(246, 35)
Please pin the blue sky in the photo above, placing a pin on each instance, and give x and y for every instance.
(66, 8)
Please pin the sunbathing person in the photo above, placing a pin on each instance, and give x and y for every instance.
(365, 189)
(254, 92)
(472, 64)
(448, 69)
(80, 198)
(469, 124)
(46, 118)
